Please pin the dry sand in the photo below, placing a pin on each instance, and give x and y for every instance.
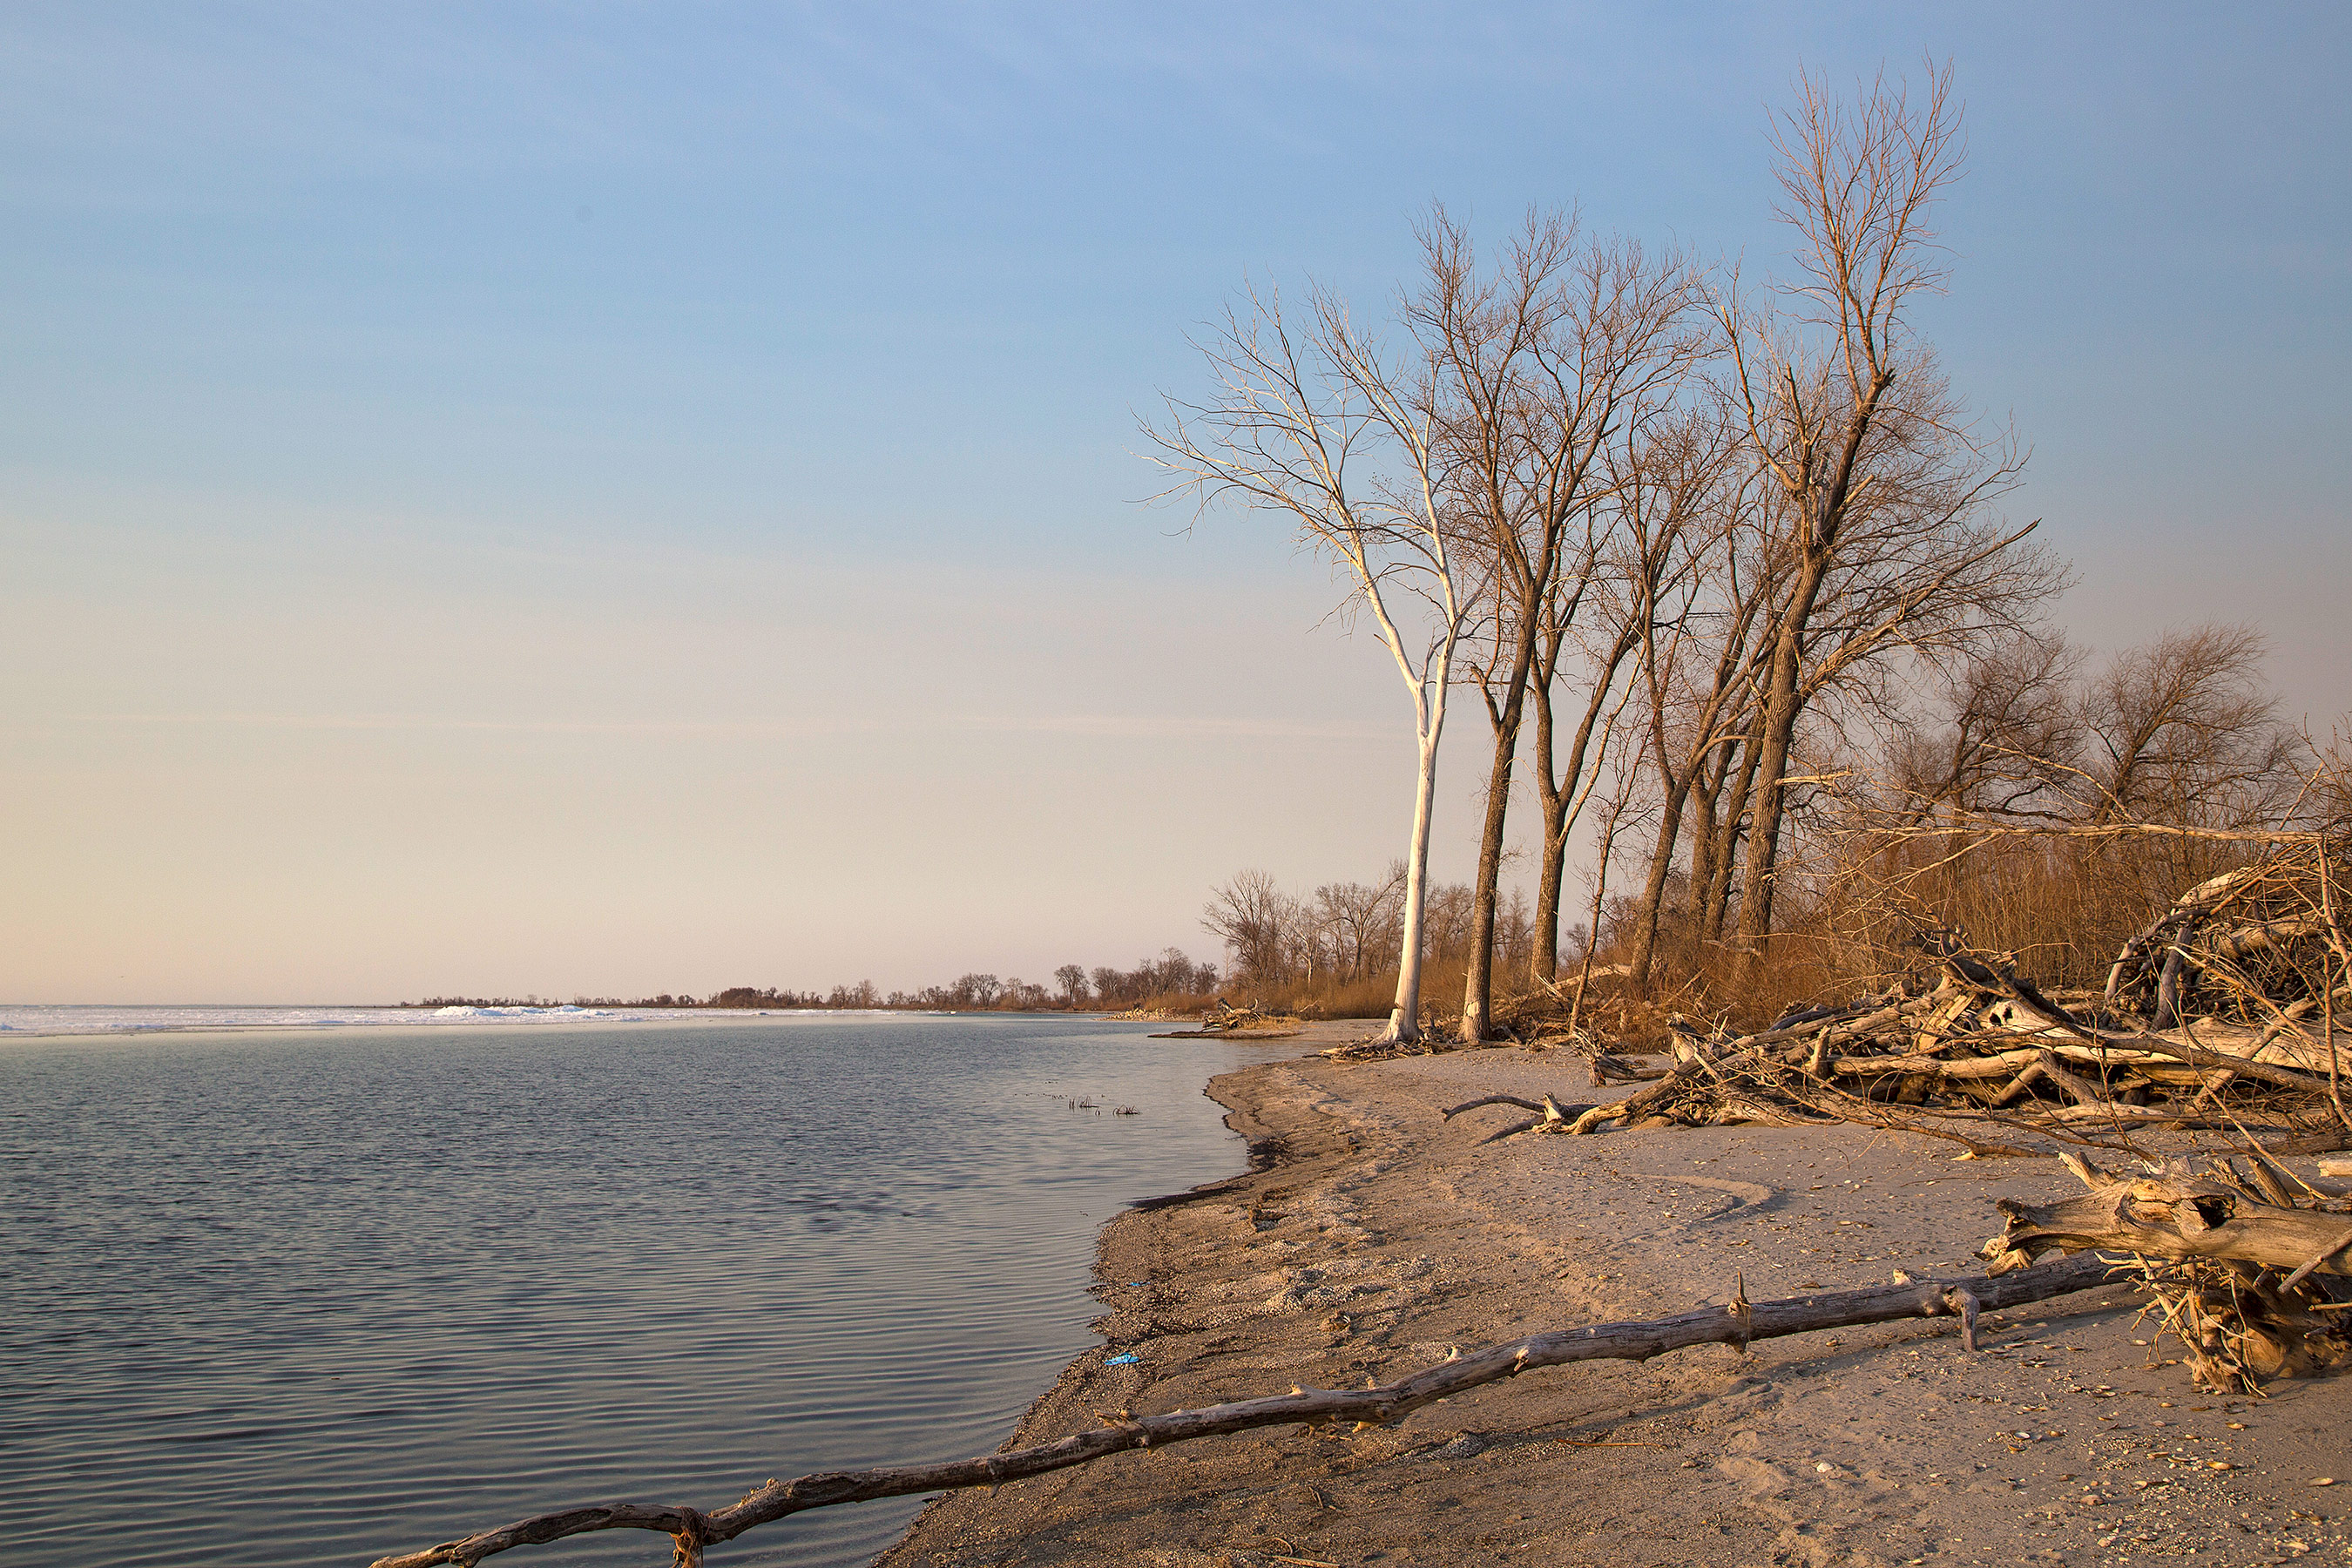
(1379, 1236)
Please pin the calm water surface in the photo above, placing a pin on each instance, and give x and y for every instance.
(309, 1301)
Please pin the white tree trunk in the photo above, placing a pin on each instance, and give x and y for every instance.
(1404, 1021)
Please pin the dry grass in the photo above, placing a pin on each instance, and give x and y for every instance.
(1367, 996)
(2059, 908)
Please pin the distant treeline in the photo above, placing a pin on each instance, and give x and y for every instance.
(1347, 931)
(1074, 988)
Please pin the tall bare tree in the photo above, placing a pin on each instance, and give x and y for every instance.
(1565, 653)
(1886, 488)
(1321, 424)
(1687, 500)
(1540, 360)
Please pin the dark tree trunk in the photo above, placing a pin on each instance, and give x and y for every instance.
(1559, 795)
(1653, 891)
(1478, 987)
(1707, 780)
(1546, 960)
(1784, 701)
(1741, 766)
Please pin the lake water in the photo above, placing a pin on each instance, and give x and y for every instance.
(312, 1299)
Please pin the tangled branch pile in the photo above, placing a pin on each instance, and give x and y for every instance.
(1228, 1019)
(2258, 947)
(2222, 1012)
(2248, 1268)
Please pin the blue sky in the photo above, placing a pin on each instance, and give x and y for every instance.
(626, 497)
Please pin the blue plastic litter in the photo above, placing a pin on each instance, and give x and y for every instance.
(1135, 1284)
(1125, 1358)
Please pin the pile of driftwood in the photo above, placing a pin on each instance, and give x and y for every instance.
(2247, 1268)
(2220, 1015)
(1226, 1018)
(2260, 947)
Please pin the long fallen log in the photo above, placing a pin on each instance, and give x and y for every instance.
(2004, 1064)
(1738, 1322)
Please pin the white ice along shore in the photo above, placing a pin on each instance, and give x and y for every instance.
(29, 1021)
(566, 1010)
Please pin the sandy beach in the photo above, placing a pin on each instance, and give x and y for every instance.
(1376, 1238)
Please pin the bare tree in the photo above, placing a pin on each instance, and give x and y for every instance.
(1361, 923)
(1254, 918)
(1539, 364)
(2187, 731)
(1564, 653)
(1886, 489)
(1321, 425)
(1687, 499)
(1448, 922)
(2009, 740)
(1624, 787)
(1719, 792)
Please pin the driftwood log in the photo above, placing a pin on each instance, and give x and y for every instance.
(1551, 1115)
(2242, 1272)
(1738, 1322)
(2176, 1215)
(1227, 1019)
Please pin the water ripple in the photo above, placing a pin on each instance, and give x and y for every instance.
(303, 1299)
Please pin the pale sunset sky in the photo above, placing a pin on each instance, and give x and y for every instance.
(608, 499)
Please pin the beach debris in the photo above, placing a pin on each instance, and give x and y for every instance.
(2253, 1276)
(1124, 1358)
(1551, 1115)
(2222, 1013)
(1228, 1017)
(1325, 1408)
(1253, 1020)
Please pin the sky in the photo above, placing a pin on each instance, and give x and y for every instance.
(608, 499)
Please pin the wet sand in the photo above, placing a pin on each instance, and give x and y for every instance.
(1379, 1237)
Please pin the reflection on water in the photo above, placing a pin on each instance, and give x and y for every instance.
(313, 1299)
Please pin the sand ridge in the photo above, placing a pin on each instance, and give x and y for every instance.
(1377, 1237)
